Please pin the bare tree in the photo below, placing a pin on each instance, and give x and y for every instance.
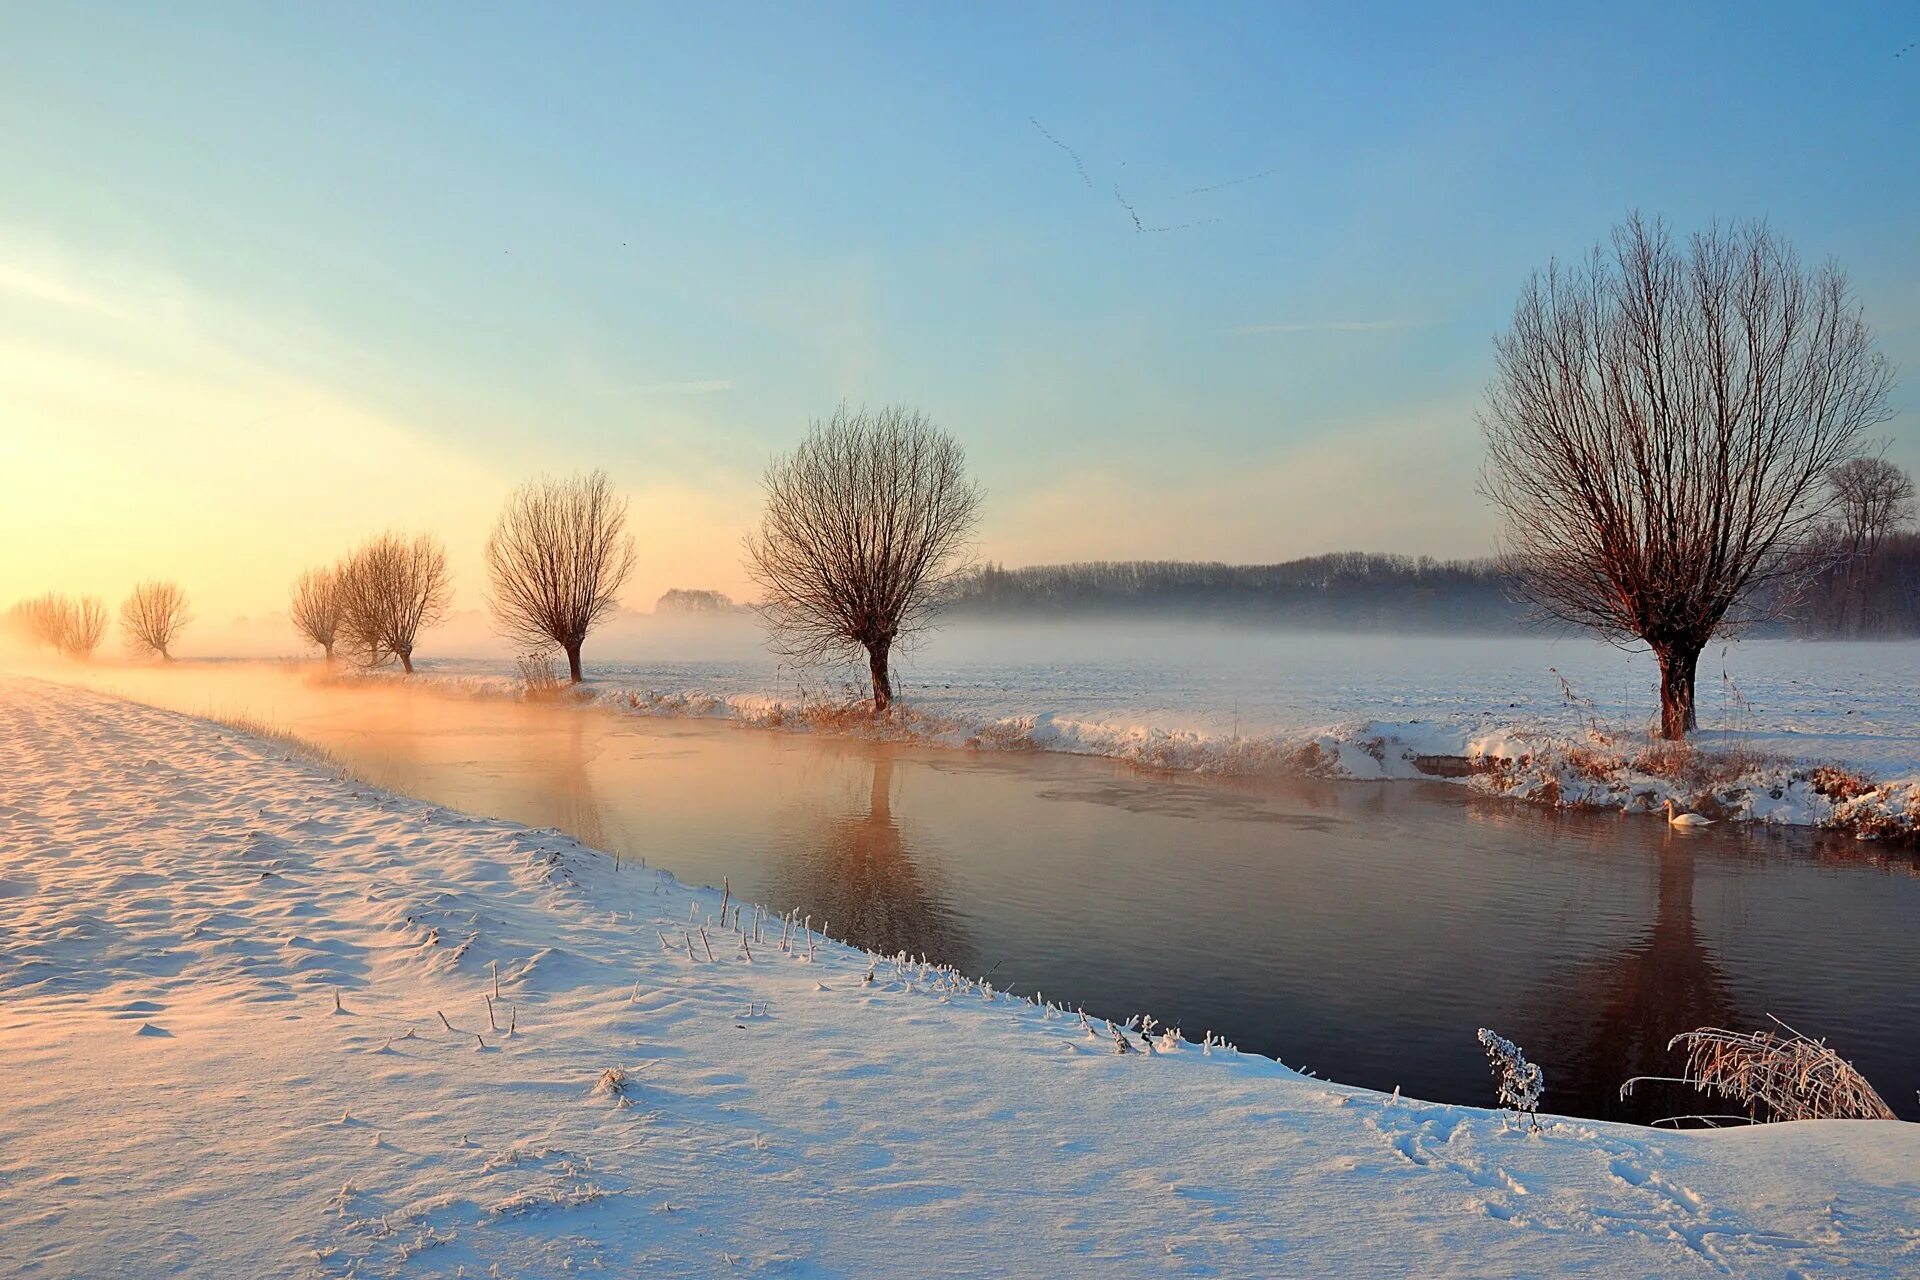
(1873, 498)
(390, 588)
(83, 625)
(38, 620)
(57, 621)
(556, 561)
(1660, 428)
(152, 616)
(864, 523)
(316, 607)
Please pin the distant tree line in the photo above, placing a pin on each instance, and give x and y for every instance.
(1346, 590)
(692, 600)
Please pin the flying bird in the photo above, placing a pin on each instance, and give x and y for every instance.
(1140, 226)
(1133, 214)
(1071, 153)
(1221, 186)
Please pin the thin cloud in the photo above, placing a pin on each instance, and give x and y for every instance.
(21, 283)
(697, 387)
(1327, 326)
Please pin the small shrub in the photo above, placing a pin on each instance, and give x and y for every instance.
(1520, 1082)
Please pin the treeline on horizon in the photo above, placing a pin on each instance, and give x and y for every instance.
(1860, 597)
(1348, 589)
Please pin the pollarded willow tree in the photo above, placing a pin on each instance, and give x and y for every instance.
(390, 588)
(317, 606)
(1660, 432)
(83, 625)
(556, 561)
(865, 522)
(152, 617)
(59, 621)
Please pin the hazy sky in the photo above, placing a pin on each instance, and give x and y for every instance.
(276, 276)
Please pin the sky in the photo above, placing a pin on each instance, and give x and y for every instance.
(1206, 282)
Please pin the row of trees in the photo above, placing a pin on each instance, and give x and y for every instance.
(151, 617)
(556, 560)
(1676, 439)
(372, 605)
(865, 522)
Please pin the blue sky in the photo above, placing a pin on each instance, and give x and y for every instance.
(425, 251)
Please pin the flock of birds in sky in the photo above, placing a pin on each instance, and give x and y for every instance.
(1140, 225)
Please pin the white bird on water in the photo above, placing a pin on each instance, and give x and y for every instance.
(1685, 819)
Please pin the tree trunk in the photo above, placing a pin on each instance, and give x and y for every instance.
(882, 684)
(406, 662)
(1677, 669)
(328, 650)
(573, 663)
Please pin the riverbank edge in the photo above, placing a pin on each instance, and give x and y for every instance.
(1597, 768)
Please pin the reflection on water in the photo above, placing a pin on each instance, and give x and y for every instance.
(1631, 1003)
(854, 867)
(1361, 930)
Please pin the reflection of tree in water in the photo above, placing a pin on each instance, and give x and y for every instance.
(856, 874)
(563, 783)
(1612, 1018)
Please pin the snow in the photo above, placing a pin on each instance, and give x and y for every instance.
(246, 1031)
(1363, 707)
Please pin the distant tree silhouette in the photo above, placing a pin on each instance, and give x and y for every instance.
(864, 523)
(83, 626)
(1660, 430)
(317, 606)
(152, 616)
(556, 561)
(682, 600)
(391, 587)
(57, 621)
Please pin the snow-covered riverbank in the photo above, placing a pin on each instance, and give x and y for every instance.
(224, 974)
(1802, 734)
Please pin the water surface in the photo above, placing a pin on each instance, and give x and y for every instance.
(1361, 931)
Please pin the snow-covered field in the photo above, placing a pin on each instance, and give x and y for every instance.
(1365, 706)
(245, 1030)
(1858, 703)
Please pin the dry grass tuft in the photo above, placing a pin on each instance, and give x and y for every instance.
(253, 726)
(1777, 1077)
(1697, 769)
(539, 673)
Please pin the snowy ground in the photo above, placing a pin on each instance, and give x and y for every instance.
(222, 980)
(1367, 706)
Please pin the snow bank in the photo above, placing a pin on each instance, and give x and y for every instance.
(1564, 758)
(264, 1021)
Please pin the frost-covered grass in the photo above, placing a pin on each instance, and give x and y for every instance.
(263, 1020)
